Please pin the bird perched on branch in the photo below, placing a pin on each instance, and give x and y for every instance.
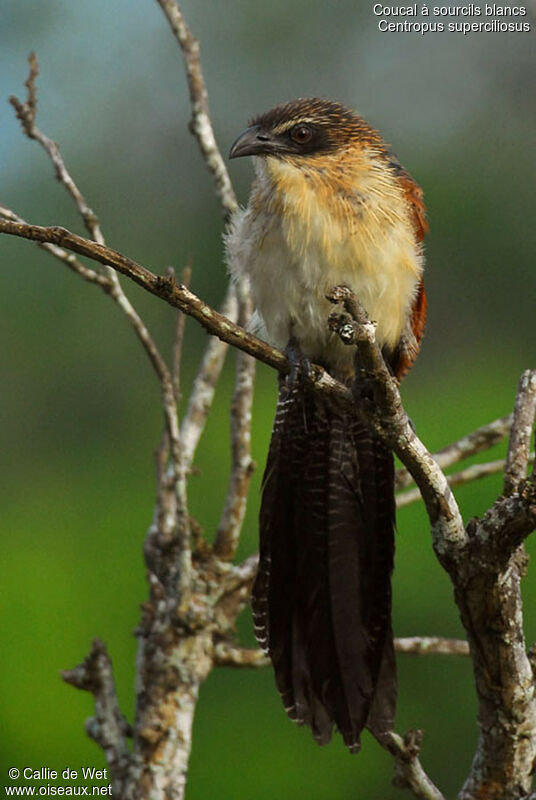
(330, 205)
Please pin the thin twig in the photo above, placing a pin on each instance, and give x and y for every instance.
(242, 466)
(186, 276)
(473, 443)
(230, 654)
(26, 113)
(203, 389)
(507, 524)
(518, 456)
(108, 727)
(431, 645)
(242, 575)
(201, 124)
(112, 288)
(179, 297)
(201, 127)
(513, 513)
(69, 259)
(409, 773)
(204, 386)
(467, 475)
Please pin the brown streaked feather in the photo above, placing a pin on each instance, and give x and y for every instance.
(381, 715)
(408, 347)
(418, 313)
(322, 596)
(273, 590)
(414, 198)
(361, 542)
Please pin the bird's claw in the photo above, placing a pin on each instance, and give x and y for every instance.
(343, 325)
(362, 387)
(300, 373)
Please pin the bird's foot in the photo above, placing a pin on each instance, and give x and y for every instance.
(300, 373)
(341, 323)
(362, 387)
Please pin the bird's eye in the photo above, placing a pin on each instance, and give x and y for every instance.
(301, 134)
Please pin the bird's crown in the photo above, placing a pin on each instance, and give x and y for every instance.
(306, 126)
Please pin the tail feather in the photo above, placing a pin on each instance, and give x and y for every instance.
(347, 560)
(273, 591)
(315, 678)
(381, 715)
(322, 597)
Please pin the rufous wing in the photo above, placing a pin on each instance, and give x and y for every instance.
(408, 348)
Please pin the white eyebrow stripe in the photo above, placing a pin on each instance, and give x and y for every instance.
(284, 126)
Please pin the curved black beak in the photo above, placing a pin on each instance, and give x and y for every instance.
(252, 142)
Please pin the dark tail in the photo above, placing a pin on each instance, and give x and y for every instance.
(322, 596)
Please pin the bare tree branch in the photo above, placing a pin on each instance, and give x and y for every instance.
(243, 575)
(519, 445)
(485, 568)
(228, 654)
(242, 467)
(206, 379)
(26, 113)
(201, 127)
(69, 259)
(431, 645)
(108, 727)
(470, 445)
(201, 124)
(409, 773)
(205, 383)
(172, 664)
(467, 475)
(186, 276)
(165, 706)
(507, 524)
(387, 416)
(179, 297)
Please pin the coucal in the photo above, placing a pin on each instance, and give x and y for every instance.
(330, 205)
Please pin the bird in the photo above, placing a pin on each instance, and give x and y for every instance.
(330, 205)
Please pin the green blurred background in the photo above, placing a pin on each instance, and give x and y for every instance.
(79, 407)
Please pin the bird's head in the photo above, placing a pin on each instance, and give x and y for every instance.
(304, 128)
